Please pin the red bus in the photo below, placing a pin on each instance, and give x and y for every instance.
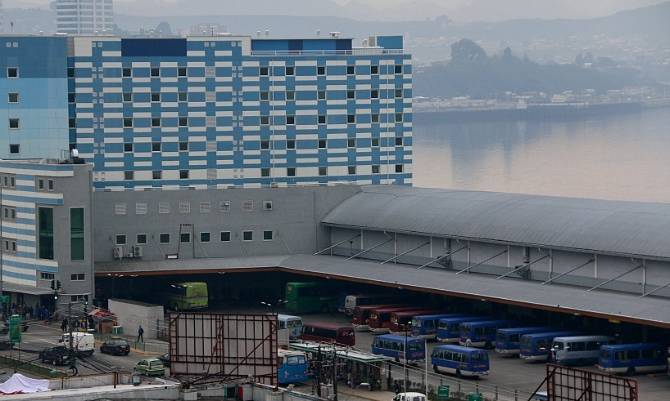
(380, 318)
(362, 314)
(329, 333)
(400, 321)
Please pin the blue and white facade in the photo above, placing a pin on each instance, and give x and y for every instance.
(45, 213)
(33, 97)
(218, 112)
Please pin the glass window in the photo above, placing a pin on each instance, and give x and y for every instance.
(14, 123)
(77, 234)
(185, 237)
(141, 238)
(263, 71)
(181, 71)
(12, 72)
(164, 238)
(268, 235)
(13, 97)
(351, 70)
(290, 70)
(127, 72)
(14, 148)
(248, 235)
(225, 236)
(290, 144)
(46, 233)
(374, 69)
(290, 171)
(155, 72)
(321, 70)
(182, 96)
(120, 239)
(183, 174)
(127, 97)
(205, 237)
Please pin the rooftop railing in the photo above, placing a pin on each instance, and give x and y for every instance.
(372, 51)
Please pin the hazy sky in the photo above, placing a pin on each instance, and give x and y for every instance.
(461, 10)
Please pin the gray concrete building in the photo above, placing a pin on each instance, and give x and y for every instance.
(84, 17)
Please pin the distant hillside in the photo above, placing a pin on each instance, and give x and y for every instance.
(471, 72)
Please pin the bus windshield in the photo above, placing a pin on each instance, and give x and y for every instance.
(479, 357)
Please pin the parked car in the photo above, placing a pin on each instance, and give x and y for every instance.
(115, 347)
(150, 367)
(58, 355)
(165, 358)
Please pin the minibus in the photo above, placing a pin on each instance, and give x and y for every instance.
(508, 339)
(402, 321)
(393, 346)
(578, 350)
(633, 358)
(352, 301)
(293, 324)
(329, 332)
(481, 333)
(462, 361)
(380, 318)
(361, 315)
(425, 326)
(448, 329)
(292, 367)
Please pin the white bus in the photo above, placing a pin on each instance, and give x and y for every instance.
(578, 350)
(292, 324)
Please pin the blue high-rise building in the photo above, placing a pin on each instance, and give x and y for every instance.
(230, 111)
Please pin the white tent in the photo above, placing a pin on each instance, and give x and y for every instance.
(20, 384)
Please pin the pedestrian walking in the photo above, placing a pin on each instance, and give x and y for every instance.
(63, 326)
(140, 334)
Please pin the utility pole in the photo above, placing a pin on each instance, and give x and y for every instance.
(405, 360)
(334, 373)
(317, 366)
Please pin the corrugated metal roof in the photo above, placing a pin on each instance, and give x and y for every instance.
(562, 298)
(590, 225)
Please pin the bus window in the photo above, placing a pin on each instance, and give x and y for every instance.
(580, 346)
(479, 357)
(620, 356)
(633, 354)
(593, 345)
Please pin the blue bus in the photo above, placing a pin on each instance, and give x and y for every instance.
(481, 333)
(508, 339)
(448, 328)
(425, 326)
(392, 345)
(537, 346)
(292, 367)
(633, 358)
(462, 361)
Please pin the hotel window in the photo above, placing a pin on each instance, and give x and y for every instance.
(8, 213)
(77, 277)
(127, 97)
(323, 171)
(156, 97)
(45, 224)
(185, 238)
(77, 234)
(156, 174)
(322, 119)
(351, 95)
(141, 239)
(351, 142)
(265, 172)
(155, 146)
(14, 148)
(398, 117)
(267, 205)
(268, 235)
(351, 70)
(290, 171)
(183, 174)
(248, 205)
(182, 96)
(398, 93)
(12, 72)
(374, 94)
(129, 175)
(127, 123)
(265, 95)
(247, 235)
(375, 169)
(398, 69)
(321, 95)
(71, 97)
(164, 238)
(398, 141)
(322, 143)
(351, 170)
(120, 239)
(225, 236)
(156, 122)
(321, 70)
(351, 118)
(398, 168)
(263, 71)
(155, 72)
(9, 246)
(183, 146)
(290, 120)
(183, 121)
(265, 120)
(205, 237)
(181, 71)
(290, 70)
(14, 123)
(374, 69)
(127, 147)
(290, 95)
(265, 144)
(290, 144)
(70, 72)
(47, 276)
(163, 207)
(375, 118)
(72, 122)
(127, 72)
(12, 97)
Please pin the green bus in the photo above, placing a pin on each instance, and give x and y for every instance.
(188, 295)
(306, 297)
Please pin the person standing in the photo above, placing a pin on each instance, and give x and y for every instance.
(140, 334)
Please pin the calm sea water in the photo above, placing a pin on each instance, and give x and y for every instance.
(624, 157)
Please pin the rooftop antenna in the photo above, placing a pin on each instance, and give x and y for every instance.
(267, 33)
(258, 33)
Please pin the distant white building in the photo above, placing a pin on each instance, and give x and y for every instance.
(84, 17)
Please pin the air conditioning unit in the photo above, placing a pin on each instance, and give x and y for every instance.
(117, 252)
(137, 251)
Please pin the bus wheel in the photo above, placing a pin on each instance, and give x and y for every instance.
(458, 373)
(630, 371)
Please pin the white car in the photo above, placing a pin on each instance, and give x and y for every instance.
(409, 397)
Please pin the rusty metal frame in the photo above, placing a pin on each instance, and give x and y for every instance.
(207, 347)
(570, 384)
